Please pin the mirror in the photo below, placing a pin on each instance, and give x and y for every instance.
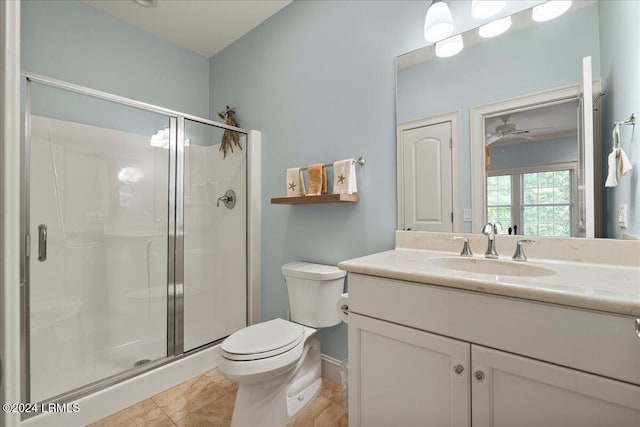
(532, 165)
(508, 130)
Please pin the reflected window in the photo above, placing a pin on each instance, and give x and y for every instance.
(499, 200)
(547, 203)
(538, 203)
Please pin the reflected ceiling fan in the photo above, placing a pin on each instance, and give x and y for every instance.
(509, 129)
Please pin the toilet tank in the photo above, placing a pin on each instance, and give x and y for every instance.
(314, 290)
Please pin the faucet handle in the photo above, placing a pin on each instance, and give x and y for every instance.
(466, 251)
(492, 228)
(519, 255)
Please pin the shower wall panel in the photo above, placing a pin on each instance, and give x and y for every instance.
(215, 278)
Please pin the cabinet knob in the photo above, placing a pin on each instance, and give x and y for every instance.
(458, 369)
(479, 376)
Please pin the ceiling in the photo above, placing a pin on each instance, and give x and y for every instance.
(203, 26)
(544, 123)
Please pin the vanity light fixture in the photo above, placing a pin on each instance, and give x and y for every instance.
(438, 23)
(482, 9)
(449, 47)
(550, 10)
(495, 28)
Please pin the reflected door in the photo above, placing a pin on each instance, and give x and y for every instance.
(427, 186)
(97, 199)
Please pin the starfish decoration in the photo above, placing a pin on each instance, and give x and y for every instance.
(341, 179)
(292, 186)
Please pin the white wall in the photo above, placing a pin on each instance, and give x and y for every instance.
(10, 207)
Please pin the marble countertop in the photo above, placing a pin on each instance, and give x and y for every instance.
(610, 288)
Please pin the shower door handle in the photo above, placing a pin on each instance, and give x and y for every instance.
(42, 243)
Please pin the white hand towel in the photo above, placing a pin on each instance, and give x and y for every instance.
(295, 183)
(344, 177)
(624, 164)
(611, 175)
(353, 184)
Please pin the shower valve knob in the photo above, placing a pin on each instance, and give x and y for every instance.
(229, 199)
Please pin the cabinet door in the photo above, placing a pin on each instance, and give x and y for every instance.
(399, 376)
(510, 390)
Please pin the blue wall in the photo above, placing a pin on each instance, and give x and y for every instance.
(620, 63)
(70, 41)
(534, 153)
(317, 80)
(539, 57)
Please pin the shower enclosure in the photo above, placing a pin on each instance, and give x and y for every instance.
(133, 254)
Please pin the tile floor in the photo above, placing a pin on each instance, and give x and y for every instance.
(207, 400)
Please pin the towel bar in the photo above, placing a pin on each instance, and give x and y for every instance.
(361, 161)
(616, 129)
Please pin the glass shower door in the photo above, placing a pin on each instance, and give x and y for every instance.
(97, 199)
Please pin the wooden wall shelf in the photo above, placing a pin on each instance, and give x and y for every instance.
(324, 198)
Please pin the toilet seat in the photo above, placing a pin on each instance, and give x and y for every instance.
(263, 340)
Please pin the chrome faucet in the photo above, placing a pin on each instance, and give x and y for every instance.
(490, 230)
(466, 251)
(519, 255)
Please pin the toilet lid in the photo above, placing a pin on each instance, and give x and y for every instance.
(262, 340)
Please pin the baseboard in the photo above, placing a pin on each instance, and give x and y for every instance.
(331, 368)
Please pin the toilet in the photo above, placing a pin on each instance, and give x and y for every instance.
(277, 363)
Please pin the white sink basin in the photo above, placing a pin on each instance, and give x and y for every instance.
(491, 266)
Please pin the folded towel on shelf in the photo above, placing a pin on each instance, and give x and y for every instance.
(315, 173)
(295, 183)
(344, 177)
(324, 179)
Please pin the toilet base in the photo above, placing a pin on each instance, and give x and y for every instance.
(297, 403)
(276, 402)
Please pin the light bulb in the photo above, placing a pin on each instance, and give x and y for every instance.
(482, 9)
(449, 47)
(495, 28)
(550, 10)
(438, 23)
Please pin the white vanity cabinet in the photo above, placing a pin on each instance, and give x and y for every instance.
(422, 355)
(510, 390)
(406, 377)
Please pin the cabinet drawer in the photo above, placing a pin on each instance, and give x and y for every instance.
(601, 343)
